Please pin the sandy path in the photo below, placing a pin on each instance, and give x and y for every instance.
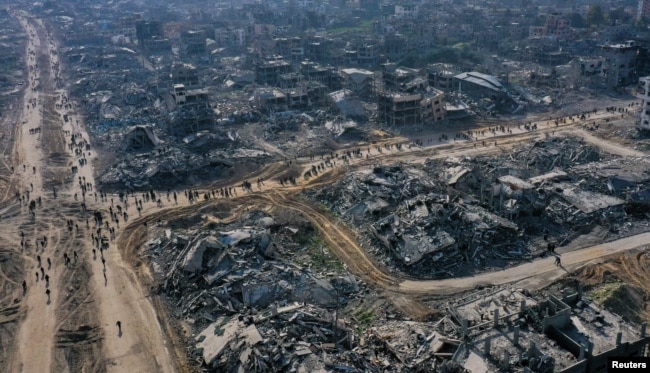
(141, 347)
(535, 274)
(39, 326)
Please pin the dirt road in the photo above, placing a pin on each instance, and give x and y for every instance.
(70, 307)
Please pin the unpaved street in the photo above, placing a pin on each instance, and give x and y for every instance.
(70, 307)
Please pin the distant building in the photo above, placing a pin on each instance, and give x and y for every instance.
(620, 63)
(269, 70)
(185, 74)
(193, 43)
(148, 30)
(556, 27)
(359, 81)
(271, 100)
(406, 11)
(441, 76)
(397, 77)
(643, 93)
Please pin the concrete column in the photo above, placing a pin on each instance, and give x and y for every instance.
(486, 348)
(580, 290)
(464, 322)
(522, 307)
(506, 359)
(515, 336)
(619, 337)
(590, 347)
(581, 356)
(531, 347)
(496, 317)
(643, 327)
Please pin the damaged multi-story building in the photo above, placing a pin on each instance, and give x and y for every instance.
(620, 63)
(503, 328)
(399, 109)
(268, 71)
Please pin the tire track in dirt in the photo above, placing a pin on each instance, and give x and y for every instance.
(48, 320)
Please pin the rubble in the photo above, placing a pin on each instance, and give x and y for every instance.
(454, 217)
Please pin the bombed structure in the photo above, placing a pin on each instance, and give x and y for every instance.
(457, 216)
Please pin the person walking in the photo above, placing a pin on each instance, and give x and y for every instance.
(119, 326)
(558, 261)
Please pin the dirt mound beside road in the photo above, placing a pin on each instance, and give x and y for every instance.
(622, 284)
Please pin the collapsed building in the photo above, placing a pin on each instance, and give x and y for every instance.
(248, 303)
(454, 217)
(505, 329)
(252, 304)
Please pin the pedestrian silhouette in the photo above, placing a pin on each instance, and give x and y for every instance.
(119, 328)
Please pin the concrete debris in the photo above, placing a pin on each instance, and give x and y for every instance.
(456, 217)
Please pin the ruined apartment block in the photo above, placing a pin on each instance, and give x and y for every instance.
(400, 109)
(621, 62)
(505, 330)
(268, 72)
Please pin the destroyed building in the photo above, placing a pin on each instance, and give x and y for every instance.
(359, 81)
(268, 72)
(621, 63)
(456, 216)
(441, 76)
(246, 303)
(147, 30)
(193, 43)
(503, 328)
(271, 100)
(400, 109)
(185, 74)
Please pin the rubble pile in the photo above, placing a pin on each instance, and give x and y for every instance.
(452, 217)
(204, 156)
(247, 303)
(236, 287)
(12, 74)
